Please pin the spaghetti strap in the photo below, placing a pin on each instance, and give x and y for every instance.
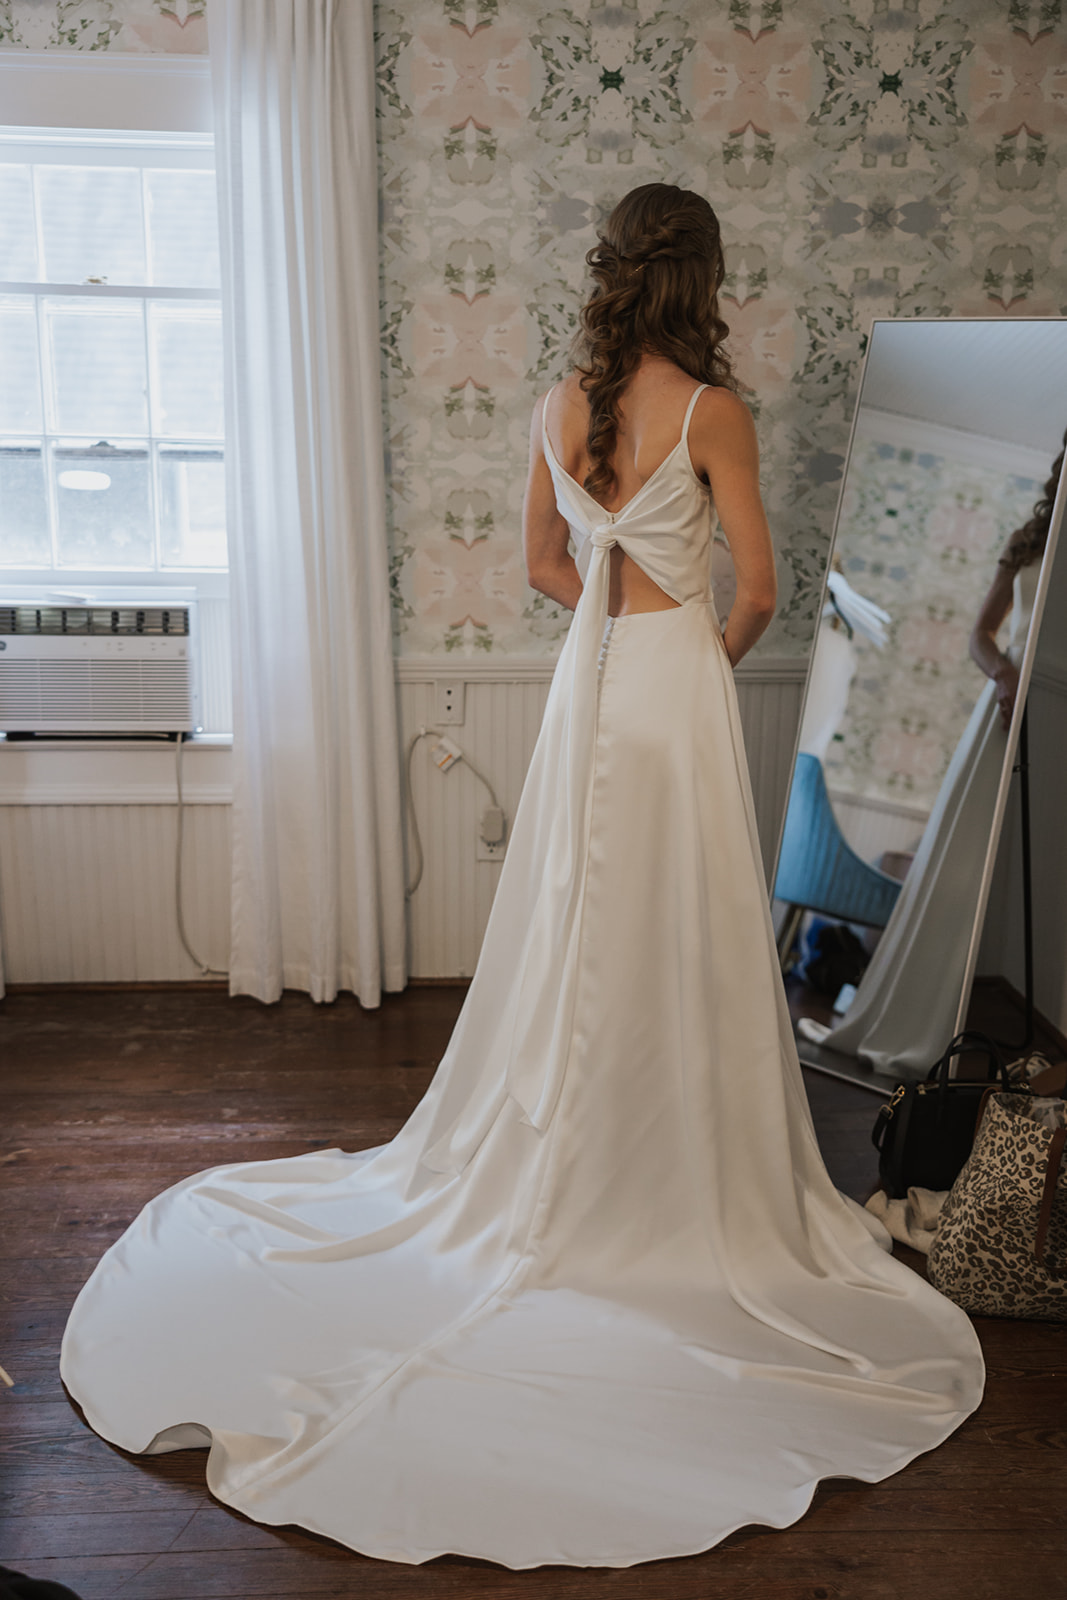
(689, 409)
(546, 441)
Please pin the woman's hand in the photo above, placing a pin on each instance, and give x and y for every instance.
(984, 648)
(722, 442)
(1006, 679)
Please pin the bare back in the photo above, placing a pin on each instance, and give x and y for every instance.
(723, 454)
(651, 413)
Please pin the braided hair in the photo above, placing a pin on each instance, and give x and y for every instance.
(1028, 542)
(657, 268)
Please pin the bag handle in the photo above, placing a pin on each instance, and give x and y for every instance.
(969, 1039)
(1016, 1090)
(1048, 1194)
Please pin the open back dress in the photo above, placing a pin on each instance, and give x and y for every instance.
(598, 1302)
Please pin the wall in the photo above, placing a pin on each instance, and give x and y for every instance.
(865, 160)
(141, 27)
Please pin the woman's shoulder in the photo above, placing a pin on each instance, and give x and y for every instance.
(721, 419)
(567, 398)
(722, 403)
(715, 406)
(566, 391)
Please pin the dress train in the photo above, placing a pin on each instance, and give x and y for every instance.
(598, 1302)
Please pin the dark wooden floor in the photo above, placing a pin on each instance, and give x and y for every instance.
(109, 1097)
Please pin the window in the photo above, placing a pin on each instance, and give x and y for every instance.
(111, 417)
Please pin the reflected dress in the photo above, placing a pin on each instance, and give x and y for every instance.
(598, 1301)
(904, 1012)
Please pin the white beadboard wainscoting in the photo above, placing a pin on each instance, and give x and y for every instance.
(88, 829)
(88, 892)
(871, 826)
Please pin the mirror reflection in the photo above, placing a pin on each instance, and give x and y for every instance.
(1002, 954)
(936, 571)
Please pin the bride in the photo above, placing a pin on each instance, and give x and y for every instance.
(598, 1301)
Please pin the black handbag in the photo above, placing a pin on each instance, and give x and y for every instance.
(926, 1131)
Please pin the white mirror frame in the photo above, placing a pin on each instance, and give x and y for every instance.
(1025, 666)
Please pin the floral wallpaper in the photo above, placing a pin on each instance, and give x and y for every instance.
(920, 536)
(866, 159)
(135, 25)
(887, 158)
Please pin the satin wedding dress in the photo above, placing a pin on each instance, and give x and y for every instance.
(904, 1011)
(598, 1301)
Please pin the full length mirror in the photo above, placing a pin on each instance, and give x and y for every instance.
(944, 541)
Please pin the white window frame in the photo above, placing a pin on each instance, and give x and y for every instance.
(111, 147)
(102, 93)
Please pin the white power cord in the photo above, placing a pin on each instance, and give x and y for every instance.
(205, 970)
(416, 842)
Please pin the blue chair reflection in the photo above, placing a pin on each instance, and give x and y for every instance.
(818, 870)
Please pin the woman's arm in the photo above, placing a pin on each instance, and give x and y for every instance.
(545, 534)
(722, 444)
(983, 643)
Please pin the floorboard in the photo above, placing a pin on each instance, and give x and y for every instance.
(111, 1096)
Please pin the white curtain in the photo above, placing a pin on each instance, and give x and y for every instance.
(318, 898)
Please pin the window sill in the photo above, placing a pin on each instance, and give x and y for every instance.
(208, 583)
(117, 741)
(114, 772)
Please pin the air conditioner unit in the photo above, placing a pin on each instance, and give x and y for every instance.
(115, 661)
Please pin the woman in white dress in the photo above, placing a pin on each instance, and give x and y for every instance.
(598, 1301)
(904, 1011)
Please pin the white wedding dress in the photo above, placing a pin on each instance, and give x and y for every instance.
(904, 1012)
(598, 1301)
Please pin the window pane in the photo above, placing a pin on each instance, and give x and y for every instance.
(20, 370)
(98, 365)
(91, 224)
(186, 346)
(23, 505)
(18, 236)
(183, 228)
(104, 502)
(192, 511)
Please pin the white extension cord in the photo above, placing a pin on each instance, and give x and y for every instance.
(451, 753)
(493, 827)
(205, 970)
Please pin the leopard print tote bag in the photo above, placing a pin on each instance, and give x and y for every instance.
(1000, 1246)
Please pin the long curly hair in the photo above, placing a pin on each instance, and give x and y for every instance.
(657, 268)
(1027, 543)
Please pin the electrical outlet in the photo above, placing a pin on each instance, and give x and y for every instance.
(448, 700)
(492, 834)
(489, 852)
